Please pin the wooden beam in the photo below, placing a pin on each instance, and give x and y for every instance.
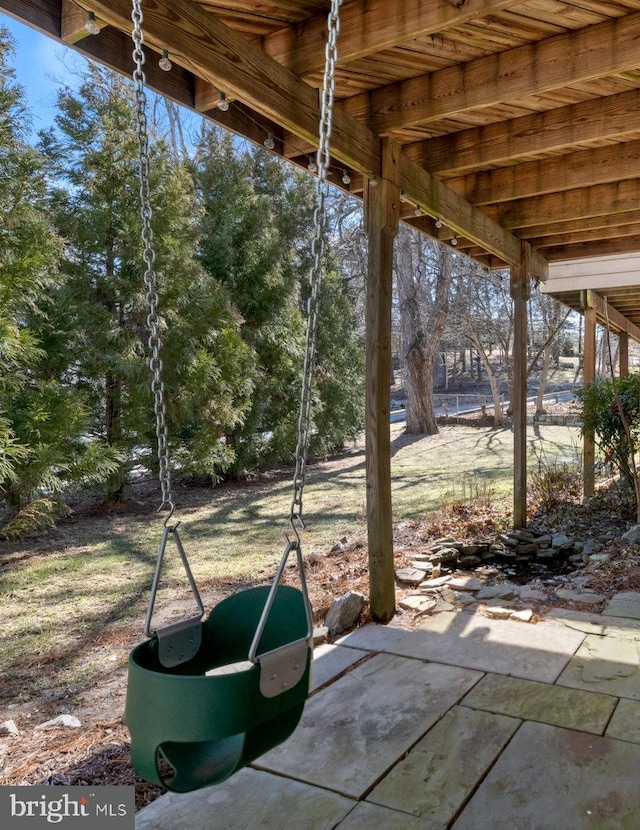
(595, 51)
(584, 168)
(199, 42)
(369, 26)
(595, 235)
(221, 57)
(588, 377)
(600, 225)
(74, 23)
(592, 249)
(442, 203)
(520, 292)
(605, 311)
(614, 116)
(382, 216)
(41, 15)
(583, 203)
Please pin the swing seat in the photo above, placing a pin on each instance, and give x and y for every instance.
(214, 714)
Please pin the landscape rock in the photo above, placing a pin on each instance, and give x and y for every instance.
(344, 612)
(465, 583)
(528, 593)
(548, 553)
(436, 582)
(411, 576)
(580, 598)
(443, 605)
(524, 615)
(320, 635)
(561, 540)
(421, 603)
(470, 561)
(459, 598)
(592, 546)
(427, 567)
(446, 554)
(497, 612)
(504, 590)
(8, 727)
(62, 720)
(632, 535)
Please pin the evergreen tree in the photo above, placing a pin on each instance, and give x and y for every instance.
(256, 242)
(93, 164)
(42, 418)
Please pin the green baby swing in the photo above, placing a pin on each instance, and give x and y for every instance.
(206, 698)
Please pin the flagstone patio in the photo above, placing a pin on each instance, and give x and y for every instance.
(466, 723)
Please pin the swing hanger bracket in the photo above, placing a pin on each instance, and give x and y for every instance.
(178, 642)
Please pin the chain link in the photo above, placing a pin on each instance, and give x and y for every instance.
(149, 257)
(317, 250)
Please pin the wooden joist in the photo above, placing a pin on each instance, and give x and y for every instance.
(603, 49)
(615, 116)
(223, 58)
(369, 26)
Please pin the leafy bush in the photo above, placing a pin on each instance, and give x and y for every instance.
(600, 417)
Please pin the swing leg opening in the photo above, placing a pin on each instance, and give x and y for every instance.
(183, 767)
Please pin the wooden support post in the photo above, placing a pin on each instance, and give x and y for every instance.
(623, 351)
(588, 376)
(382, 211)
(520, 292)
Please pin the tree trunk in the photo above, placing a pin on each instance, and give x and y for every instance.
(498, 409)
(419, 293)
(420, 415)
(546, 363)
(113, 409)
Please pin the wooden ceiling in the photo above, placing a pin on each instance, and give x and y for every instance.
(517, 120)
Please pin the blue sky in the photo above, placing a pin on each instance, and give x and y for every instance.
(40, 68)
(42, 65)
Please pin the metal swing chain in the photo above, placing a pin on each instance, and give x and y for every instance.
(300, 647)
(179, 641)
(149, 256)
(317, 249)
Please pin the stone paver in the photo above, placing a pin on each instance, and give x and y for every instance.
(330, 660)
(530, 700)
(249, 800)
(534, 652)
(629, 608)
(373, 637)
(625, 723)
(417, 737)
(353, 731)
(441, 771)
(557, 779)
(371, 817)
(622, 629)
(580, 597)
(605, 664)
